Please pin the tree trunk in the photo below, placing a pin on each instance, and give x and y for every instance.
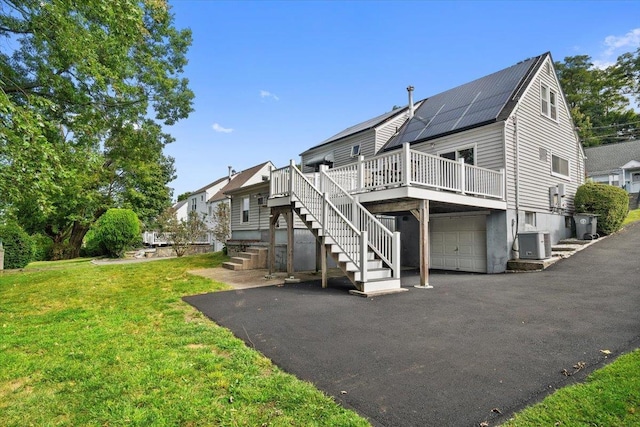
(75, 240)
(67, 245)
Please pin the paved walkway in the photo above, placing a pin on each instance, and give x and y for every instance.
(455, 355)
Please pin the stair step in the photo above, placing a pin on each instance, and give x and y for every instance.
(232, 266)
(379, 285)
(375, 274)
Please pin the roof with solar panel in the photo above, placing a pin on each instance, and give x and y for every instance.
(486, 100)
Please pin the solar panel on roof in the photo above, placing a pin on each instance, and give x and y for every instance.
(462, 107)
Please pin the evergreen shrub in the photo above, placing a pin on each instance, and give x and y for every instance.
(117, 230)
(17, 246)
(610, 203)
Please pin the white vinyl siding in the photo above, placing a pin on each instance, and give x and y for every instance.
(487, 141)
(537, 134)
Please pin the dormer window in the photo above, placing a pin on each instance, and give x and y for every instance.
(355, 150)
(548, 102)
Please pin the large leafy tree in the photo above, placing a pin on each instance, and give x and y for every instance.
(599, 99)
(85, 89)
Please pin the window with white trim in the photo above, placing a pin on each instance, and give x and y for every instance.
(245, 209)
(355, 150)
(548, 102)
(559, 166)
(194, 204)
(468, 154)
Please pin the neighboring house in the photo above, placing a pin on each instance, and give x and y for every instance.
(181, 210)
(248, 177)
(250, 227)
(470, 169)
(615, 164)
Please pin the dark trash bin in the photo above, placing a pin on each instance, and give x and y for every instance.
(586, 226)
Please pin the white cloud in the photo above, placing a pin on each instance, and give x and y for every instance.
(267, 94)
(601, 64)
(616, 43)
(221, 129)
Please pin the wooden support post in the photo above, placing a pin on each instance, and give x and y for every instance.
(272, 240)
(289, 218)
(406, 164)
(424, 245)
(323, 258)
(318, 253)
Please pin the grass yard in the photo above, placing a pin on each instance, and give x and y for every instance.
(609, 397)
(633, 216)
(115, 346)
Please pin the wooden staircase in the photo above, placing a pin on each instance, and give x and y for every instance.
(379, 278)
(253, 258)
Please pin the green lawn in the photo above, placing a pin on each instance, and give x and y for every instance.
(115, 346)
(609, 397)
(633, 216)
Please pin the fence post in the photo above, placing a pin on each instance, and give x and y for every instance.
(406, 164)
(355, 214)
(395, 251)
(462, 176)
(325, 214)
(292, 165)
(360, 174)
(364, 250)
(1, 256)
(322, 178)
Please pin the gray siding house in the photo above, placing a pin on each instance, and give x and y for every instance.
(615, 164)
(467, 173)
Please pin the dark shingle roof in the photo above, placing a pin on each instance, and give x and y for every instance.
(482, 101)
(360, 127)
(206, 187)
(606, 158)
(238, 181)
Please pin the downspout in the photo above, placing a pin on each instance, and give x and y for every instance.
(515, 248)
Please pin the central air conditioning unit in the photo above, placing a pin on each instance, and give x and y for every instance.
(534, 245)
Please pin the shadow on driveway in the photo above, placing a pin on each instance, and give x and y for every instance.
(462, 353)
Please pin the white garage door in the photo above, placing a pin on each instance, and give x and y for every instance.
(458, 243)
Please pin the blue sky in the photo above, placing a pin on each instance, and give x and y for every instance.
(273, 79)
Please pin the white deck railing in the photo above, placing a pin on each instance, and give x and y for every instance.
(381, 240)
(414, 168)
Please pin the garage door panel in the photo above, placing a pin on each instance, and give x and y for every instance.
(458, 243)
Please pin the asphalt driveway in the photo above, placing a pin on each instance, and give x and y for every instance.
(475, 348)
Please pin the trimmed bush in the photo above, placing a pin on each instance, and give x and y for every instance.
(610, 203)
(117, 230)
(41, 248)
(92, 246)
(17, 246)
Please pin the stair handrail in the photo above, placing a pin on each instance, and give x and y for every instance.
(349, 239)
(384, 242)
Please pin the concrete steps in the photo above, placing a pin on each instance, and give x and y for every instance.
(561, 250)
(251, 259)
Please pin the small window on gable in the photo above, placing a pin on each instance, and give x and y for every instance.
(559, 166)
(355, 150)
(548, 102)
(194, 204)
